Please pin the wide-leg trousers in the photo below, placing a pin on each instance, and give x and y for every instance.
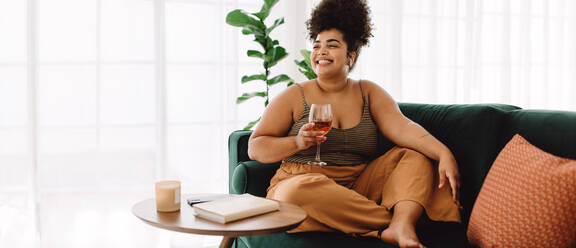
(359, 200)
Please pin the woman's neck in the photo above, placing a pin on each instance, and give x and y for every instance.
(332, 85)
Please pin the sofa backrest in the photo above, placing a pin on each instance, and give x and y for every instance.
(551, 131)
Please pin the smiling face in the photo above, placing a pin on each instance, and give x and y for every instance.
(330, 53)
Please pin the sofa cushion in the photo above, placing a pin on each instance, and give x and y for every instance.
(431, 234)
(313, 240)
(527, 200)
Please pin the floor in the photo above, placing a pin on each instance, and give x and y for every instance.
(86, 219)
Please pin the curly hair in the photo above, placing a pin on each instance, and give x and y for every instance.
(351, 17)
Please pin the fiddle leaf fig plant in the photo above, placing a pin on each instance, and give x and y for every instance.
(271, 53)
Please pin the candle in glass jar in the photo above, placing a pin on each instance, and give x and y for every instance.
(167, 196)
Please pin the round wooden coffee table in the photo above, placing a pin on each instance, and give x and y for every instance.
(288, 217)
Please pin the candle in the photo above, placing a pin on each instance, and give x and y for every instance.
(167, 196)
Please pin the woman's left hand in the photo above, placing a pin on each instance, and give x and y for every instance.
(448, 170)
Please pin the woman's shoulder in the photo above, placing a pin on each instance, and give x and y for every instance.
(291, 92)
(296, 88)
(369, 87)
(368, 84)
(305, 84)
(374, 90)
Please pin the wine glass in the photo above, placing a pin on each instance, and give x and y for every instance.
(321, 115)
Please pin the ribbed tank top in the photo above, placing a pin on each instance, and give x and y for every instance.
(343, 147)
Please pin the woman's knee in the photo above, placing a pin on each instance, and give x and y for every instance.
(415, 158)
(298, 189)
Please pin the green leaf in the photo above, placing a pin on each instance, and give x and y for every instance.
(305, 69)
(246, 31)
(265, 10)
(254, 77)
(306, 65)
(247, 96)
(268, 44)
(278, 79)
(262, 40)
(300, 63)
(308, 74)
(251, 124)
(276, 54)
(255, 54)
(252, 30)
(277, 23)
(271, 3)
(239, 18)
(263, 14)
(306, 54)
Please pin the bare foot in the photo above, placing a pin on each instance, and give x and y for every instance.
(403, 236)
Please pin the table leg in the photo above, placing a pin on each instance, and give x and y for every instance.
(227, 242)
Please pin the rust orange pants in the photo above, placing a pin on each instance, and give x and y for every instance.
(358, 199)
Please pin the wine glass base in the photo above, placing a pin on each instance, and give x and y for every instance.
(316, 163)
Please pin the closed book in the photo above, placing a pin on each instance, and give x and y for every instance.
(235, 208)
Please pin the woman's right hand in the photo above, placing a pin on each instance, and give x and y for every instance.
(307, 137)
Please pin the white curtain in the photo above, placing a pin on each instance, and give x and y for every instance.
(100, 98)
(519, 52)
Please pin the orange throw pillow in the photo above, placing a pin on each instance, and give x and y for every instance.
(528, 200)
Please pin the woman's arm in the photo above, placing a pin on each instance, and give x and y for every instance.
(407, 133)
(269, 143)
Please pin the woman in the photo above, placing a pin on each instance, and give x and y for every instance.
(381, 198)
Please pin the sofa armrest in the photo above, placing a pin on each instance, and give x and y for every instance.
(237, 152)
(238, 146)
(245, 175)
(252, 177)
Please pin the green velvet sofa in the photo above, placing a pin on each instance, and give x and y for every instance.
(474, 132)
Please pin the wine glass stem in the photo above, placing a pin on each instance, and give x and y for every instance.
(318, 152)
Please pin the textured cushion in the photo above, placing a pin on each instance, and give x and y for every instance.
(527, 200)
